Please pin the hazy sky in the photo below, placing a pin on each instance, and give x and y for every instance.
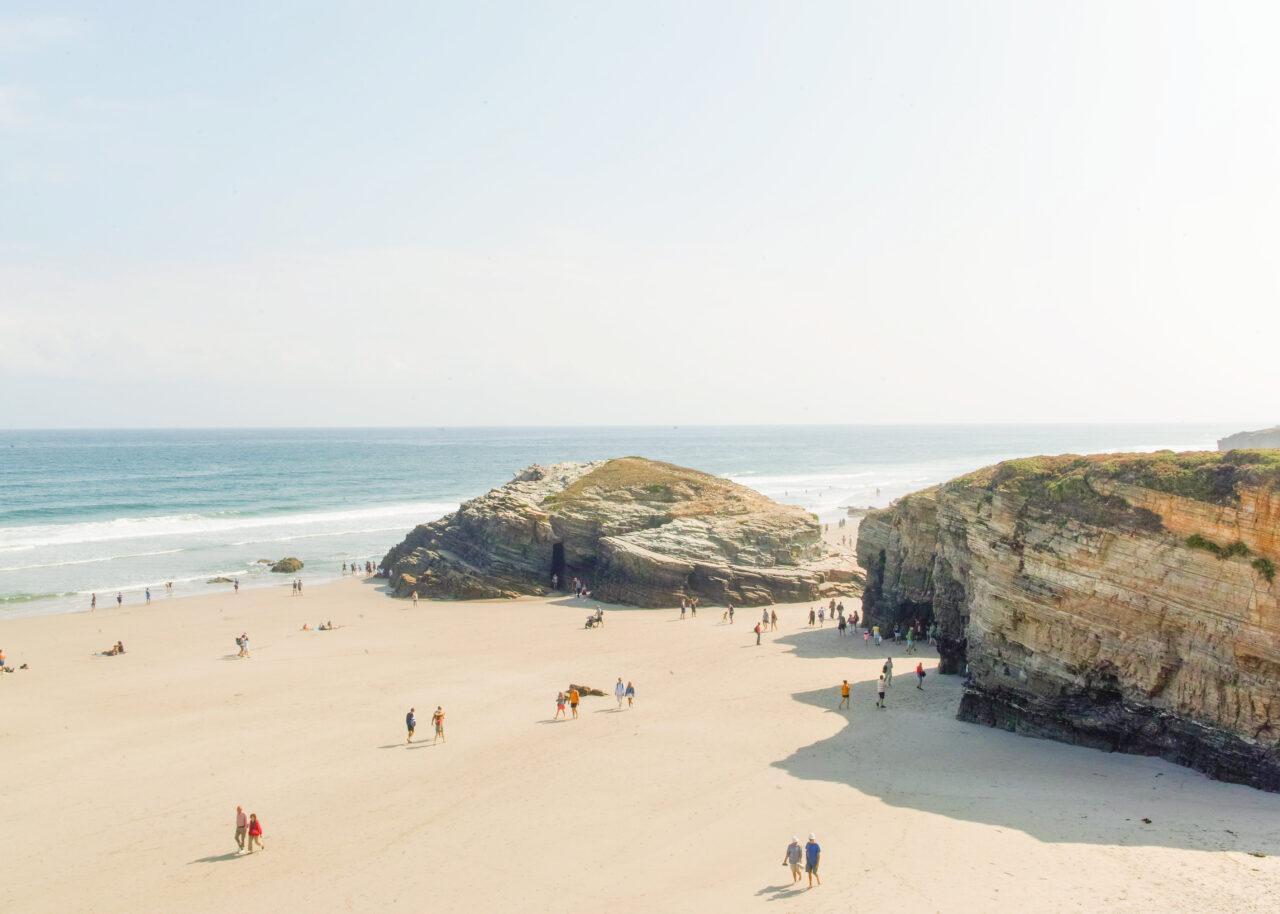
(607, 213)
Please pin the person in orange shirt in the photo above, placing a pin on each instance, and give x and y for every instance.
(573, 702)
(844, 695)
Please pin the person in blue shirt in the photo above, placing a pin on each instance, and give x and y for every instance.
(411, 723)
(812, 853)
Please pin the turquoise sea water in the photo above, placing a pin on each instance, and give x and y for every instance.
(103, 512)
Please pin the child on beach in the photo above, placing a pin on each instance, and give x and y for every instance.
(561, 698)
(438, 720)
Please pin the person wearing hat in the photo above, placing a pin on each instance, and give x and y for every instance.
(812, 853)
(793, 859)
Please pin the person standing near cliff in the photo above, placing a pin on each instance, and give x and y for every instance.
(757, 634)
(888, 671)
(684, 606)
(561, 698)
(920, 676)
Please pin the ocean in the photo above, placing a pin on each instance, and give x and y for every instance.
(107, 512)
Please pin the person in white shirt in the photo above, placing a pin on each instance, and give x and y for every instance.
(620, 691)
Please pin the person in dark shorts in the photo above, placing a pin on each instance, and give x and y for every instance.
(573, 702)
(812, 853)
(411, 722)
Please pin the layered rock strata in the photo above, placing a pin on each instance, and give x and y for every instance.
(1125, 602)
(636, 531)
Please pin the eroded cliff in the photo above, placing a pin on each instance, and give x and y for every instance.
(636, 531)
(1126, 602)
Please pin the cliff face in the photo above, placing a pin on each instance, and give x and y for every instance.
(1263, 438)
(636, 531)
(1122, 602)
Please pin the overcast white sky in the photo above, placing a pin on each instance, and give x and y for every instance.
(609, 213)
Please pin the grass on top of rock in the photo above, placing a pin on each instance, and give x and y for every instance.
(1058, 488)
(689, 492)
(1209, 476)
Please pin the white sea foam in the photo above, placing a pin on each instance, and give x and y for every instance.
(102, 558)
(187, 526)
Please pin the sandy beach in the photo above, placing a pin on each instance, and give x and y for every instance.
(122, 774)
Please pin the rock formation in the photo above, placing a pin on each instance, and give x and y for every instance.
(1125, 602)
(636, 531)
(1262, 438)
(287, 566)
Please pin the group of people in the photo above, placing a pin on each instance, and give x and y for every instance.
(353, 567)
(297, 587)
(689, 606)
(242, 642)
(5, 668)
(248, 829)
(573, 697)
(811, 853)
(93, 597)
(322, 627)
(117, 648)
(834, 611)
(437, 721)
(886, 680)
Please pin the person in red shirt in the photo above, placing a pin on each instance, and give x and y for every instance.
(919, 675)
(255, 831)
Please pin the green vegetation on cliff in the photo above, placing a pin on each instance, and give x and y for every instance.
(1065, 483)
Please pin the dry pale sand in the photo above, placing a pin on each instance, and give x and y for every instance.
(121, 775)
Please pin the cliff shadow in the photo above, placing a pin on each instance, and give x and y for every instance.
(811, 643)
(916, 755)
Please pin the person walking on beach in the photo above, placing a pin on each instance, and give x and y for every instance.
(415, 598)
(730, 613)
(812, 854)
(812, 615)
(791, 857)
(684, 607)
(773, 620)
(631, 694)
(119, 599)
(764, 619)
(438, 719)
(242, 829)
(920, 676)
(255, 831)
(844, 696)
(866, 638)
(693, 608)
(148, 596)
(619, 692)
(236, 585)
(561, 698)
(93, 602)
(574, 698)
(880, 688)
(757, 634)
(888, 671)
(412, 723)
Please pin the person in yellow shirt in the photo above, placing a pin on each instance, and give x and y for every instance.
(844, 695)
(573, 702)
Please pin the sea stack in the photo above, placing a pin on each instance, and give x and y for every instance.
(635, 531)
(1125, 602)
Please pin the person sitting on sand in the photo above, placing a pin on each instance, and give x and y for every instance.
(305, 628)
(119, 647)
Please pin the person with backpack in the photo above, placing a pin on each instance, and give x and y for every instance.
(920, 676)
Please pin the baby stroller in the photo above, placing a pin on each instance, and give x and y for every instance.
(592, 621)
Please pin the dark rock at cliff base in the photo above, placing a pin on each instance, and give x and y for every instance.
(287, 566)
(1125, 602)
(636, 531)
(1262, 438)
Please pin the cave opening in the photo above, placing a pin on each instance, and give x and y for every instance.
(557, 565)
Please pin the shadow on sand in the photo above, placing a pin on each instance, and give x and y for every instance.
(218, 858)
(915, 754)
